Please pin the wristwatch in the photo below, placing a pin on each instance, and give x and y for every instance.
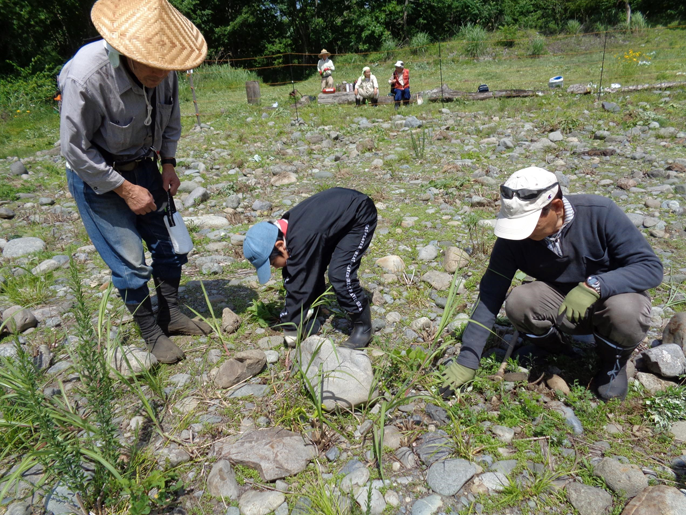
(593, 282)
(169, 161)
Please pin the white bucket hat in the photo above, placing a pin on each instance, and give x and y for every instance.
(399, 64)
(522, 198)
(151, 32)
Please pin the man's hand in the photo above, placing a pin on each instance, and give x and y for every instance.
(455, 376)
(356, 93)
(169, 178)
(577, 302)
(138, 199)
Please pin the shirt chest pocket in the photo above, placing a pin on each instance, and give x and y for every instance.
(597, 262)
(119, 136)
(165, 111)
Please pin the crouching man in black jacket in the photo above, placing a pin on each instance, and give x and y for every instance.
(333, 228)
(592, 269)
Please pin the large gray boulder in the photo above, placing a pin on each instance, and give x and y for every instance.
(274, 452)
(623, 479)
(447, 477)
(342, 377)
(23, 246)
(654, 500)
(589, 500)
(666, 360)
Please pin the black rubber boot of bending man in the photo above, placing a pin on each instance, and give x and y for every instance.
(611, 381)
(361, 333)
(165, 350)
(169, 317)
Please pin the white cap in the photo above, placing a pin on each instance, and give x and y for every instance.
(399, 64)
(518, 217)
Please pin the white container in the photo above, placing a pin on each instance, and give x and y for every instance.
(181, 240)
(556, 82)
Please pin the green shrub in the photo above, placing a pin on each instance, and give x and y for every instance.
(537, 46)
(638, 22)
(475, 38)
(508, 36)
(27, 90)
(573, 27)
(388, 46)
(419, 43)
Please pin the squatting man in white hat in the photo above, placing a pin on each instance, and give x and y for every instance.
(592, 268)
(120, 114)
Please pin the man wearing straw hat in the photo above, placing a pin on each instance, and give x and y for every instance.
(325, 67)
(120, 113)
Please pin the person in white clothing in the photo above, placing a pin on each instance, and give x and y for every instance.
(325, 67)
(367, 88)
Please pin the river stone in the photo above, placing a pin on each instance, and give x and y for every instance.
(392, 264)
(270, 342)
(61, 501)
(230, 321)
(623, 479)
(589, 500)
(18, 319)
(197, 196)
(207, 221)
(172, 455)
(343, 377)
(503, 433)
(377, 504)
(131, 361)
(428, 253)
(427, 505)
(678, 430)
(19, 508)
(569, 415)
(274, 452)
(489, 482)
(261, 205)
(454, 259)
(675, 331)
(651, 382)
(256, 502)
(23, 246)
(283, 179)
(357, 477)
(242, 366)
(18, 168)
(578, 89)
(411, 122)
(433, 447)
(555, 136)
(448, 476)
(438, 280)
(666, 360)
(392, 437)
(654, 500)
(45, 266)
(6, 213)
(406, 457)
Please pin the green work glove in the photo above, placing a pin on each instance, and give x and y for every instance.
(455, 376)
(577, 302)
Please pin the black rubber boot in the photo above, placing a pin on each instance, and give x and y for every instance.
(357, 102)
(157, 342)
(361, 334)
(397, 106)
(375, 102)
(611, 381)
(169, 317)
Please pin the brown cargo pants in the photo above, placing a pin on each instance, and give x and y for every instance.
(623, 319)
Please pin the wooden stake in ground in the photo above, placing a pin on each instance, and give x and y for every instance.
(195, 100)
(252, 89)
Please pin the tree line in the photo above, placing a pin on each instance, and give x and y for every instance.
(40, 35)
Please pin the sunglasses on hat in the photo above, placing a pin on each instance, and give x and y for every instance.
(523, 193)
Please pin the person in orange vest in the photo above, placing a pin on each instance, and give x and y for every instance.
(400, 84)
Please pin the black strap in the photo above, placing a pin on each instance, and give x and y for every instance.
(171, 209)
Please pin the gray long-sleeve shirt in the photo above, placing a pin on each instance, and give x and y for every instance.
(103, 107)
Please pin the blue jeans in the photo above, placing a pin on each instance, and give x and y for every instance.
(401, 94)
(116, 232)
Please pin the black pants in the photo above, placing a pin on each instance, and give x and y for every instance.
(345, 260)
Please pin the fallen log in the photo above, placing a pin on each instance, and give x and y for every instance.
(448, 95)
(641, 87)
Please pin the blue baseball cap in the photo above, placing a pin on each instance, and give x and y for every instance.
(257, 247)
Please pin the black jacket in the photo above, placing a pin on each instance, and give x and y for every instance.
(600, 240)
(315, 226)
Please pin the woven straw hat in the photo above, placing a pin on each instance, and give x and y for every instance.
(324, 52)
(151, 32)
